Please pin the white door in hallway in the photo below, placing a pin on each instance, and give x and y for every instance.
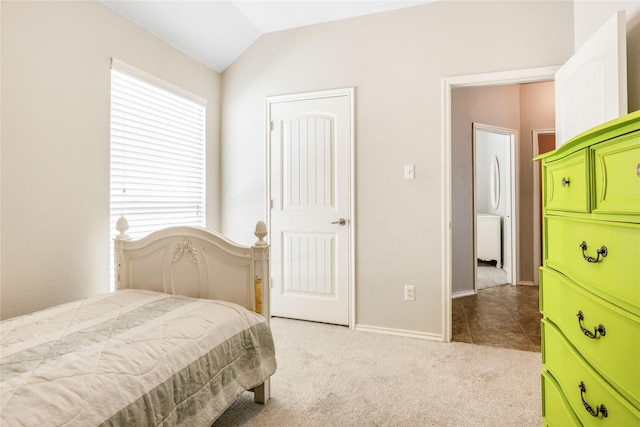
(310, 218)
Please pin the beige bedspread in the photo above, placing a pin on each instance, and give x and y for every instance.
(130, 358)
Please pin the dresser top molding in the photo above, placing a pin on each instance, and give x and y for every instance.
(613, 128)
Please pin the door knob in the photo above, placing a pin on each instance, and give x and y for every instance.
(341, 221)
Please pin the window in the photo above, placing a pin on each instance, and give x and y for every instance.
(157, 154)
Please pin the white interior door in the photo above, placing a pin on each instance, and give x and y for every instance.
(310, 218)
(591, 88)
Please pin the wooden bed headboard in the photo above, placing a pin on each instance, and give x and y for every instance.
(195, 262)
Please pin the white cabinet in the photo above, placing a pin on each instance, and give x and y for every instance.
(488, 238)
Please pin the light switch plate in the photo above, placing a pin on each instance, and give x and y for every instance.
(409, 172)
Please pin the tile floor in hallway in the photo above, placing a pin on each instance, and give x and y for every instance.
(501, 316)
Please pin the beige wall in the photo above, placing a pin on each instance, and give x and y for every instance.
(396, 62)
(55, 143)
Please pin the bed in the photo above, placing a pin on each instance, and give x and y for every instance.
(185, 333)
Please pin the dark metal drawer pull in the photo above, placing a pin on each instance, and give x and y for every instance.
(599, 409)
(565, 182)
(598, 329)
(602, 251)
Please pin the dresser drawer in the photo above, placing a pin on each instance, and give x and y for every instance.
(570, 370)
(566, 186)
(561, 301)
(617, 175)
(555, 409)
(616, 276)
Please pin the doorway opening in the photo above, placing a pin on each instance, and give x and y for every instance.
(514, 77)
(494, 203)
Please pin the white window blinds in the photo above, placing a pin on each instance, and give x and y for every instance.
(157, 153)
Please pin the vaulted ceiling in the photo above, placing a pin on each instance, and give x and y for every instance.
(216, 32)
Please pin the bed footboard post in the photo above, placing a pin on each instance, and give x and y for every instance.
(122, 225)
(262, 392)
(261, 269)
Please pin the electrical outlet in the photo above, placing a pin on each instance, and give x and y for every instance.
(409, 293)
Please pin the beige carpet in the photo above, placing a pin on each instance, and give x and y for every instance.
(331, 376)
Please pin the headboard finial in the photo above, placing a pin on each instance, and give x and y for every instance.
(261, 232)
(122, 225)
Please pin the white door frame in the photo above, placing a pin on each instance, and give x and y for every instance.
(537, 226)
(513, 205)
(530, 75)
(350, 93)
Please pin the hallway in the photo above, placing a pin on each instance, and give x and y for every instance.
(501, 316)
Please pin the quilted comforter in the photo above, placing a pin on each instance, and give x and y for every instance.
(130, 358)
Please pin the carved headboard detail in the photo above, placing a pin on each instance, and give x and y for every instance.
(195, 262)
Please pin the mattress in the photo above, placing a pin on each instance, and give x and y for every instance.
(130, 358)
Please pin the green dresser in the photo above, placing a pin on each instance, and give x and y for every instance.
(590, 281)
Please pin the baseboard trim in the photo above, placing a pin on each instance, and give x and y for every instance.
(526, 283)
(463, 294)
(400, 332)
